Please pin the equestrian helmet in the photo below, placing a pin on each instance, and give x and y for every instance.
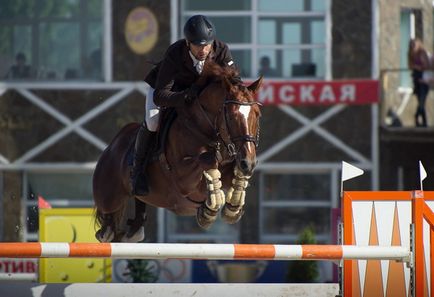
(199, 30)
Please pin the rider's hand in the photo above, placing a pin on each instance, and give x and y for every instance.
(192, 93)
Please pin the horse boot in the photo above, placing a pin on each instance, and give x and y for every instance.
(141, 156)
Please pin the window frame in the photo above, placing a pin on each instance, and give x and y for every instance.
(332, 202)
(34, 23)
(254, 46)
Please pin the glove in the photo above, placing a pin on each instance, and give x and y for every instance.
(192, 93)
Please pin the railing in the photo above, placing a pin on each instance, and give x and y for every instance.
(397, 108)
(26, 90)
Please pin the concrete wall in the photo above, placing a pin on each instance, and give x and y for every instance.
(351, 33)
(12, 224)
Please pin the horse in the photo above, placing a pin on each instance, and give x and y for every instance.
(208, 157)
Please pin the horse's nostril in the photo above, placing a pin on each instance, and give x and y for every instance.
(244, 165)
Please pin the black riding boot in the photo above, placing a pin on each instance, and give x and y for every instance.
(141, 152)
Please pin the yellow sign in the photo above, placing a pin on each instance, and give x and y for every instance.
(70, 225)
(141, 30)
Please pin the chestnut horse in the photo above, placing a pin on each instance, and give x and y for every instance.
(210, 149)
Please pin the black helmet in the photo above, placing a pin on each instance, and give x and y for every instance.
(199, 30)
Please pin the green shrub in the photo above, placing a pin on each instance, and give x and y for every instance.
(303, 271)
(140, 271)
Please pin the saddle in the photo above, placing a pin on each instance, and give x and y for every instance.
(158, 143)
(167, 118)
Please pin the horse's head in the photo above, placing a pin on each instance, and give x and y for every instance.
(234, 115)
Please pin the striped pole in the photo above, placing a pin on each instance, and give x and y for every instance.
(201, 251)
(18, 277)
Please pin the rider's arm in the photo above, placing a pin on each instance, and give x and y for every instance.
(163, 95)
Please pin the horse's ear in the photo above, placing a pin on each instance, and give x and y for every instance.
(254, 87)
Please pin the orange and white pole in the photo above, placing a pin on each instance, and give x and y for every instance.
(200, 251)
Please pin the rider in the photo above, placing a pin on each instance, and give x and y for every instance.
(172, 84)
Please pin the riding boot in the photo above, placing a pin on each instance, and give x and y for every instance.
(141, 156)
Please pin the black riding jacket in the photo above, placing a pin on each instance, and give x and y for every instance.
(176, 73)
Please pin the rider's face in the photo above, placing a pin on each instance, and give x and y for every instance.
(200, 51)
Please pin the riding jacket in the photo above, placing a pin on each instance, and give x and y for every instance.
(176, 73)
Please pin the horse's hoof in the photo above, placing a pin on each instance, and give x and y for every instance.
(205, 217)
(105, 235)
(231, 214)
(138, 236)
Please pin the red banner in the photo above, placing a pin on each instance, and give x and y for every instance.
(319, 92)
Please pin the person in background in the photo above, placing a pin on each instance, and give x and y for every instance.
(266, 70)
(172, 84)
(20, 70)
(418, 62)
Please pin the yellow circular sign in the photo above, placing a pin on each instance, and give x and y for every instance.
(141, 30)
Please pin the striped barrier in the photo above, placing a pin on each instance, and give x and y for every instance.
(386, 251)
(201, 251)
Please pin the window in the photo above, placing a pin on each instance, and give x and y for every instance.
(35, 35)
(291, 201)
(281, 39)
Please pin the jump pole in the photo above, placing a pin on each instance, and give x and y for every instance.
(201, 251)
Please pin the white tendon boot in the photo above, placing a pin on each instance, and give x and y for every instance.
(235, 198)
(207, 213)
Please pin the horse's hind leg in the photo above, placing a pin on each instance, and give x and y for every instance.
(110, 216)
(108, 226)
(233, 209)
(136, 228)
(117, 227)
(207, 212)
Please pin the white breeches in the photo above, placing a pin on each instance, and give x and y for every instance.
(152, 112)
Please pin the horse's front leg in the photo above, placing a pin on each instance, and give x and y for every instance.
(233, 209)
(207, 212)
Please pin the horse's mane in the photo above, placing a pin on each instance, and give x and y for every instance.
(213, 72)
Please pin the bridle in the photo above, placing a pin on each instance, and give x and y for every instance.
(229, 140)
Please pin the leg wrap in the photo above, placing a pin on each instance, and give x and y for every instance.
(216, 195)
(207, 212)
(235, 199)
(237, 193)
